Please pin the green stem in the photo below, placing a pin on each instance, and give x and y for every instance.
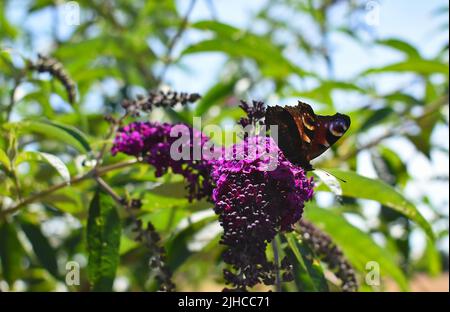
(96, 172)
(277, 266)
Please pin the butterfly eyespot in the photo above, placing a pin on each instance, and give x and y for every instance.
(309, 122)
(337, 129)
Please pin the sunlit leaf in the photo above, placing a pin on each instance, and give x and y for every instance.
(6, 28)
(308, 271)
(330, 181)
(356, 245)
(52, 160)
(217, 93)
(400, 45)
(358, 186)
(432, 259)
(420, 66)
(4, 160)
(237, 43)
(324, 91)
(64, 133)
(178, 249)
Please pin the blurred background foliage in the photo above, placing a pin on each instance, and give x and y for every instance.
(120, 49)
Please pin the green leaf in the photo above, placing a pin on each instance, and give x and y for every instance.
(329, 180)
(422, 140)
(103, 241)
(356, 245)
(6, 29)
(52, 160)
(217, 93)
(74, 132)
(394, 164)
(7, 67)
(44, 252)
(127, 244)
(63, 133)
(66, 200)
(376, 117)
(398, 96)
(171, 189)
(400, 45)
(237, 43)
(324, 91)
(178, 249)
(431, 259)
(155, 202)
(221, 29)
(308, 271)
(365, 188)
(4, 160)
(11, 253)
(420, 66)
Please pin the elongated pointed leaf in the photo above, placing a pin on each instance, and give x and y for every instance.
(74, 132)
(362, 187)
(62, 133)
(238, 43)
(358, 247)
(11, 253)
(420, 66)
(178, 249)
(308, 271)
(400, 45)
(52, 160)
(44, 252)
(215, 94)
(103, 242)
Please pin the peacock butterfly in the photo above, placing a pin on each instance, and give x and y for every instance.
(303, 135)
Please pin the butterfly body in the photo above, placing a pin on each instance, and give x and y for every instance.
(303, 135)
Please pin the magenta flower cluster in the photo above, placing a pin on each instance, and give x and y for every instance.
(151, 141)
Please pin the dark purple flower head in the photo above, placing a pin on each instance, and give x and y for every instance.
(261, 179)
(255, 201)
(152, 142)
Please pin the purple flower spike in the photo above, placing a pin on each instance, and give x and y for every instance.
(254, 204)
(152, 142)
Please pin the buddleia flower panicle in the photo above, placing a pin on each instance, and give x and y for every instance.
(257, 193)
(329, 253)
(46, 64)
(151, 142)
(254, 204)
(158, 98)
(151, 239)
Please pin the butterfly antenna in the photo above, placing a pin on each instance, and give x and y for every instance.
(340, 179)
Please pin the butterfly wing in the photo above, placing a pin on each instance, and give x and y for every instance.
(289, 137)
(303, 135)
